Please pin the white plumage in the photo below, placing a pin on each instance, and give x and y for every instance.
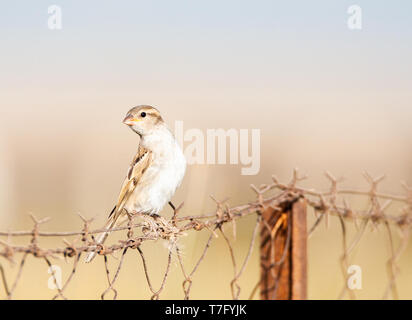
(164, 175)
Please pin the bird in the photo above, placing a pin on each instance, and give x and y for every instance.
(155, 173)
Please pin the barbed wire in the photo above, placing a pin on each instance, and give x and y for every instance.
(271, 196)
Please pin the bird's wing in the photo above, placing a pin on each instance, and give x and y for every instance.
(140, 163)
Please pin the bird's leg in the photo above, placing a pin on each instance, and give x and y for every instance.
(174, 213)
(171, 204)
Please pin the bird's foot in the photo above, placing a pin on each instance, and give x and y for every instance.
(155, 216)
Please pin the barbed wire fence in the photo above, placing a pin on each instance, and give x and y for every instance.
(280, 212)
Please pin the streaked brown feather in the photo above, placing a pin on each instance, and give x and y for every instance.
(140, 163)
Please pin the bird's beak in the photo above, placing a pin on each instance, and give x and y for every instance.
(129, 120)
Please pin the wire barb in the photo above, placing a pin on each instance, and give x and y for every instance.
(273, 196)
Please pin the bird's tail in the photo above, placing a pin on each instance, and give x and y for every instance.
(102, 236)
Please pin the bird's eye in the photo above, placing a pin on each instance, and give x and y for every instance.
(143, 114)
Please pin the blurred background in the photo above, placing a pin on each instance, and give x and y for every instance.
(323, 96)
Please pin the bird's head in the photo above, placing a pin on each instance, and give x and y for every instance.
(143, 119)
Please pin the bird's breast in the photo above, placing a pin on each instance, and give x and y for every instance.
(159, 182)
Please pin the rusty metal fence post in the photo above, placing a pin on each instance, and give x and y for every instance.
(283, 250)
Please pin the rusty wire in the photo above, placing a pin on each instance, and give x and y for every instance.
(273, 196)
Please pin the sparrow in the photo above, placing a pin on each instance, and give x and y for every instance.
(155, 173)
